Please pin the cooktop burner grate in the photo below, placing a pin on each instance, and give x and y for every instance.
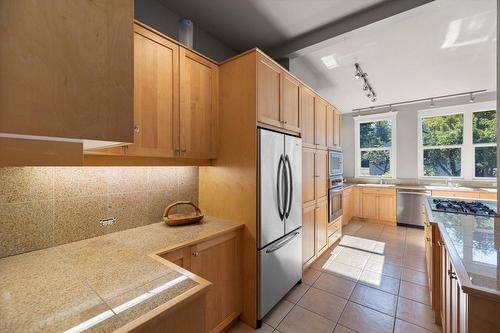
(462, 207)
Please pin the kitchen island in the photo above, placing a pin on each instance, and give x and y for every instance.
(462, 255)
(116, 282)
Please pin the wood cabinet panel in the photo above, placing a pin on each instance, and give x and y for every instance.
(337, 129)
(487, 195)
(268, 91)
(455, 194)
(307, 106)
(357, 202)
(321, 123)
(387, 207)
(218, 260)
(67, 69)
(330, 126)
(199, 84)
(321, 223)
(291, 103)
(308, 172)
(370, 206)
(347, 206)
(180, 257)
(308, 231)
(156, 95)
(321, 174)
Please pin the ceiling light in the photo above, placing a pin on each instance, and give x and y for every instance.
(374, 98)
(471, 98)
(365, 87)
(330, 61)
(359, 72)
(432, 103)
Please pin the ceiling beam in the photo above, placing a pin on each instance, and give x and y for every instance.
(357, 20)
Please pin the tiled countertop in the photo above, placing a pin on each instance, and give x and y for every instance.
(424, 187)
(474, 241)
(98, 284)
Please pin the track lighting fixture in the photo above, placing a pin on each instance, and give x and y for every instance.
(373, 96)
(359, 74)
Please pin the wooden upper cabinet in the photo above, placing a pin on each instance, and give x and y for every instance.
(291, 103)
(67, 69)
(321, 123)
(307, 105)
(268, 91)
(330, 126)
(308, 172)
(156, 95)
(199, 87)
(321, 174)
(337, 128)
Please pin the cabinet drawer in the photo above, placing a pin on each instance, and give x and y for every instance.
(334, 226)
(334, 237)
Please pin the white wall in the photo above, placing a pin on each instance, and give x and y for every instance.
(156, 15)
(407, 149)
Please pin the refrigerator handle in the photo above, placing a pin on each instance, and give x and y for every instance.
(283, 243)
(279, 184)
(289, 186)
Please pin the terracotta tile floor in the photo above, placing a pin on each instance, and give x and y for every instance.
(372, 281)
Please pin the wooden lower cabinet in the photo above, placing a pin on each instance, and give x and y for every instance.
(217, 260)
(347, 206)
(321, 223)
(308, 233)
(379, 204)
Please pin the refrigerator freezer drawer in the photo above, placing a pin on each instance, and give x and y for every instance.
(280, 270)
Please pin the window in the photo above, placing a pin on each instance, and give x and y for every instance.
(375, 145)
(458, 142)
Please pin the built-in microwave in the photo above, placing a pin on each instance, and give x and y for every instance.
(335, 162)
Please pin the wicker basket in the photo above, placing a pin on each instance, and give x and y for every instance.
(181, 218)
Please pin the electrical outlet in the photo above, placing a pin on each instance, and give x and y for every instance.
(107, 221)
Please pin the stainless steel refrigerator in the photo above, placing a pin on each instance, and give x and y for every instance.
(279, 243)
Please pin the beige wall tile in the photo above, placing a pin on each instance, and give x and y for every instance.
(26, 227)
(26, 184)
(130, 210)
(78, 218)
(70, 182)
(158, 201)
(127, 179)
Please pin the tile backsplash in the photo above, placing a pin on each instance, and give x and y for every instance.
(46, 206)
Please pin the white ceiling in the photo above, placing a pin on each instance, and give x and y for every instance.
(444, 47)
(244, 24)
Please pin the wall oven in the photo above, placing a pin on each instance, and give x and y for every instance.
(335, 162)
(335, 198)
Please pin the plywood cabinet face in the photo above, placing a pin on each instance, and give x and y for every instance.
(321, 174)
(456, 194)
(321, 123)
(330, 126)
(347, 206)
(308, 179)
(337, 129)
(370, 206)
(218, 261)
(487, 195)
(321, 223)
(387, 207)
(198, 105)
(291, 103)
(308, 233)
(307, 106)
(156, 95)
(268, 92)
(67, 69)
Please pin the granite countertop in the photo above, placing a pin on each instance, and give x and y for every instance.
(474, 242)
(424, 187)
(98, 284)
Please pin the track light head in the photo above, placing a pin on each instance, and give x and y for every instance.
(365, 87)
(471, 98)
(358, 73)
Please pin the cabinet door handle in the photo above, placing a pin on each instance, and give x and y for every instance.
(427, 239)
(196, 253)
(136, 129)
(452, 274)
(440, 243)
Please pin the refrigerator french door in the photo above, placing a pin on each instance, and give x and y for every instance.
(279, 242)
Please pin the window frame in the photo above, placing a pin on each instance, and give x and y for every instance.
(392, 116)
(468, 147)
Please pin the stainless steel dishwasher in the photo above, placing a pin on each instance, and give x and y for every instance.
(411, 207)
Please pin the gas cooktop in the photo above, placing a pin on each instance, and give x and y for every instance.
(462, 207)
